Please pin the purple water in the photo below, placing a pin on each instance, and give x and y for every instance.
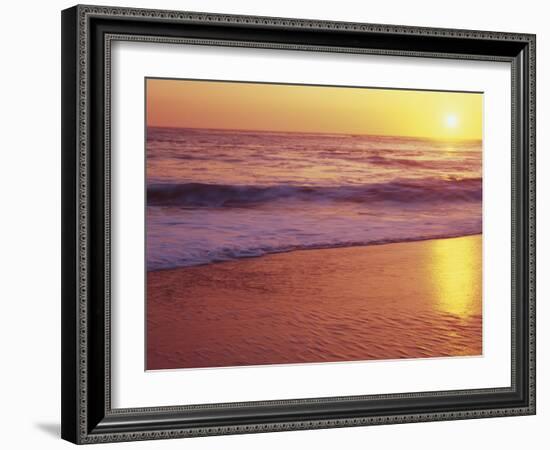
(218, 195)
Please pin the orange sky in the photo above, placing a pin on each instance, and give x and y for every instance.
(302, 108)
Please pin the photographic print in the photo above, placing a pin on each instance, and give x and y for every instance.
(297, 224)
(277, 205)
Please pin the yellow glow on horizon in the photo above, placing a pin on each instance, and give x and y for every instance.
(456, 275)
(315, 109)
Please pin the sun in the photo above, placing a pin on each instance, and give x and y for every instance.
(451, 121)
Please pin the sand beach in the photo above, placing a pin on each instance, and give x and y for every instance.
(402, 300)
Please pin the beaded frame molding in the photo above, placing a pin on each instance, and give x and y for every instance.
(87, 35)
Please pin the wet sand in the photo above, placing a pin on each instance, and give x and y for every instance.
(405, 300)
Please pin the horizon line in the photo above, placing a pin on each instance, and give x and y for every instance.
(423, 138)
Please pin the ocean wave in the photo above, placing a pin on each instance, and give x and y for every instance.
(237, 253)
(402, 191)
(411, 162)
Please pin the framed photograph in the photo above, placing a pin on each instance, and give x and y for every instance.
(279, 224)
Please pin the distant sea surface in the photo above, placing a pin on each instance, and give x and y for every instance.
(219, 195)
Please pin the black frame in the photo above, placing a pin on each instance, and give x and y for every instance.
(87, 32)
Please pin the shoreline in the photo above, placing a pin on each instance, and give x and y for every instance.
(413, 299)
(331, 247)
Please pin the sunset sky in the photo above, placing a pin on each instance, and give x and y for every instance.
(302, 108)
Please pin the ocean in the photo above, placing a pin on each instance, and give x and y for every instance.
(221, 195)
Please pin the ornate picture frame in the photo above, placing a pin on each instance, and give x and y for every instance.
(88, 415)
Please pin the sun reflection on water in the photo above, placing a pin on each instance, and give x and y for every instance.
(456, 276)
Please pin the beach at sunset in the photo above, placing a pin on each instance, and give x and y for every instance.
(405, 300)
(292, 224)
